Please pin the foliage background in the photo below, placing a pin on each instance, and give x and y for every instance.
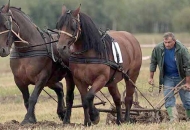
(136, 16)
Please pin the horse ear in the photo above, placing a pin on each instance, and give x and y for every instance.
(77, 11)
(64, 9)
(6, 8)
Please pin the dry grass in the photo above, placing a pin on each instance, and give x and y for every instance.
(156, 38)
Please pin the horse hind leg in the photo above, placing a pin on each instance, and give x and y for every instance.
(58, 88)
(113, 89)
(130, 89)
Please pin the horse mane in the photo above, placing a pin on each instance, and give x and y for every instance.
(90, 35)
(23, 14)
(2, 8)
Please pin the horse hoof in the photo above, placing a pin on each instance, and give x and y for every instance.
(66, 121)
(24, 122)
(130, 121)
(61, 116)
(94, 116)
(87, 123)
(28, 121)
(96, 121)
(118, 122)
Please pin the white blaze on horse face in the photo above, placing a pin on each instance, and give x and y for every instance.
(71, 48)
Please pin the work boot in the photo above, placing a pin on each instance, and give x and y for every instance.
(188, 114)
(173, 114)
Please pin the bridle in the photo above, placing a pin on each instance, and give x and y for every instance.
(76, 34)
(9, 26)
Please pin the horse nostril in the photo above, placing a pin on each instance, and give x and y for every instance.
(3, 50)
(64, 47)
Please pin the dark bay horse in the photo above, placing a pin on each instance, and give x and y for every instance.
(33, 64)
(92, 62)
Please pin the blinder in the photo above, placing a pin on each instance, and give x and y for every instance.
(8, 25)
(8, 21)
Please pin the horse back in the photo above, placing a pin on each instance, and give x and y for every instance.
(130, 48)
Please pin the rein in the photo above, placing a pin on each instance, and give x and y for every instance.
(30, 46)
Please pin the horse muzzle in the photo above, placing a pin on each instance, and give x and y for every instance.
(4, 52)
(63, 50)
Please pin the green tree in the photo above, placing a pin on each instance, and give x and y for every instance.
(181, 22)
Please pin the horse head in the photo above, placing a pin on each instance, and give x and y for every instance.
(78, 34)
(6, 37)
(10, 30)
(69, 29)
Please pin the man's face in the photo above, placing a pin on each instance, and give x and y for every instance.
(169, 42)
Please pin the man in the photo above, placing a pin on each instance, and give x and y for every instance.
(173, 60)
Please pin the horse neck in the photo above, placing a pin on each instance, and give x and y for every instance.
(77, 47)
(28, 30)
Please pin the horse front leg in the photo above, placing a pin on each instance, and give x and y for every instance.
(113, 89)
(82, 87)
(24, 90)
(93, 112)
(30, 115)
(58, 88)
(96, 86)
(69, 97)
(85, 103)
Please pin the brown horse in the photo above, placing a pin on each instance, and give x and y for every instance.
(92, 62)
(32, 61)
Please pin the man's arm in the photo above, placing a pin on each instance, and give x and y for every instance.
(151, 80)
(186, 60)
(153, 65)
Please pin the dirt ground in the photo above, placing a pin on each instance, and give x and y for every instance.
(15, 125)
(143, 117)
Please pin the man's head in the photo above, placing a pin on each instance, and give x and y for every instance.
(169, 40)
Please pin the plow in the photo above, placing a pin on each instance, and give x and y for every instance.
(143, 114)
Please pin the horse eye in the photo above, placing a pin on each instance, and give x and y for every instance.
(73, 26)
(58, 36)
(7, 25)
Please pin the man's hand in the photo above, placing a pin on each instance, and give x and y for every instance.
(186, 87)
(151, 81)
(187, 84)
